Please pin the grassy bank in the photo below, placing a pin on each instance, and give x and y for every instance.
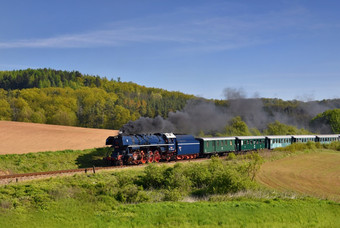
(218, 192)
(49, 161)
(246, 213)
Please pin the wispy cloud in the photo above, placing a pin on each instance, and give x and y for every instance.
(193, 33)
(109, 37)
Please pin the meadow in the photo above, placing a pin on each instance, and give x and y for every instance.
(216, 192)
(52, 160)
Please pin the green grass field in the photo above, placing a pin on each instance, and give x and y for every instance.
(49, 161)
(218, 192)
(245, 213)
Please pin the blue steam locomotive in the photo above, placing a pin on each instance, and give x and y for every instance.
(147, 148)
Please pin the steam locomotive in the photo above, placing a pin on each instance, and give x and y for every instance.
(147, 148)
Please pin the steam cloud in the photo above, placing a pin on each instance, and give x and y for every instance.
(201, 115)
(197, 115)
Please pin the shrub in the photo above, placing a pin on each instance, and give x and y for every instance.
(127, 194)
(231, 156)
(253, 165)
(154, 176)
(173, 195)
(176, 178)
(198, 174)
(226, 181)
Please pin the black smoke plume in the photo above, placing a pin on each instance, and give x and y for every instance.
(197, 115)
(200, 115)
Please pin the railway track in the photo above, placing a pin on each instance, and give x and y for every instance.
(11, 178)
(14, 178)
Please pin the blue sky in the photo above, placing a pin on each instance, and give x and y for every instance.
(288, 49)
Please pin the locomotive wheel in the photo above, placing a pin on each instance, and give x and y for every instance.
(149, 158)
(119, 163)
(136, 158)
(156, 156)
(168, 158)
(143, 158)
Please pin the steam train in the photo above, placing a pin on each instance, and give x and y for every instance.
(147, 148)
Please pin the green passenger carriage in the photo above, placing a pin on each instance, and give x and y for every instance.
(245, 143)
(217, 145)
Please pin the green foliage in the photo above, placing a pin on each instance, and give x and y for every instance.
(236, 127)
(200, 179)
(5, 110)
(70, 98)
(330, 118)
(309, 146)
(154, 176)
(253, 165)
(173, 195)
(278, 128)
(231, 156)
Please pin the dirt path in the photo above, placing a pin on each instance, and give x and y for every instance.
(316, 174)
(19, 138)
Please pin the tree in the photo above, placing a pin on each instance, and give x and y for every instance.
(64, 117)
(5, 110)
(237, 127)
(330, 118)
(120, 116)
(278, 128)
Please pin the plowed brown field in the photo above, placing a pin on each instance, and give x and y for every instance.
(316, 174)
(18, 138)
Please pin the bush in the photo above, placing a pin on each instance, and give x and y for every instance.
(231, 156)
(154, 176)
(198, 174)
(227, 180)
(131, 194)
(333, 146)
(177, 178)
(173, 195)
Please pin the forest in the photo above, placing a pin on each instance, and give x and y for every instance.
(71, 98)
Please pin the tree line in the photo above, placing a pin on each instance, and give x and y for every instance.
(70, 98)
(75, 99)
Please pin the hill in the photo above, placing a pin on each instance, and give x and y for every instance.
(74, 99)
(71, 98)
(18, 138)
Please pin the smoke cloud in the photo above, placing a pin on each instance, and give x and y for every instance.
(202, 115)
(197, 115)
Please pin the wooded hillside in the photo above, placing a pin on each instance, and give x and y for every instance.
(70, 98)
